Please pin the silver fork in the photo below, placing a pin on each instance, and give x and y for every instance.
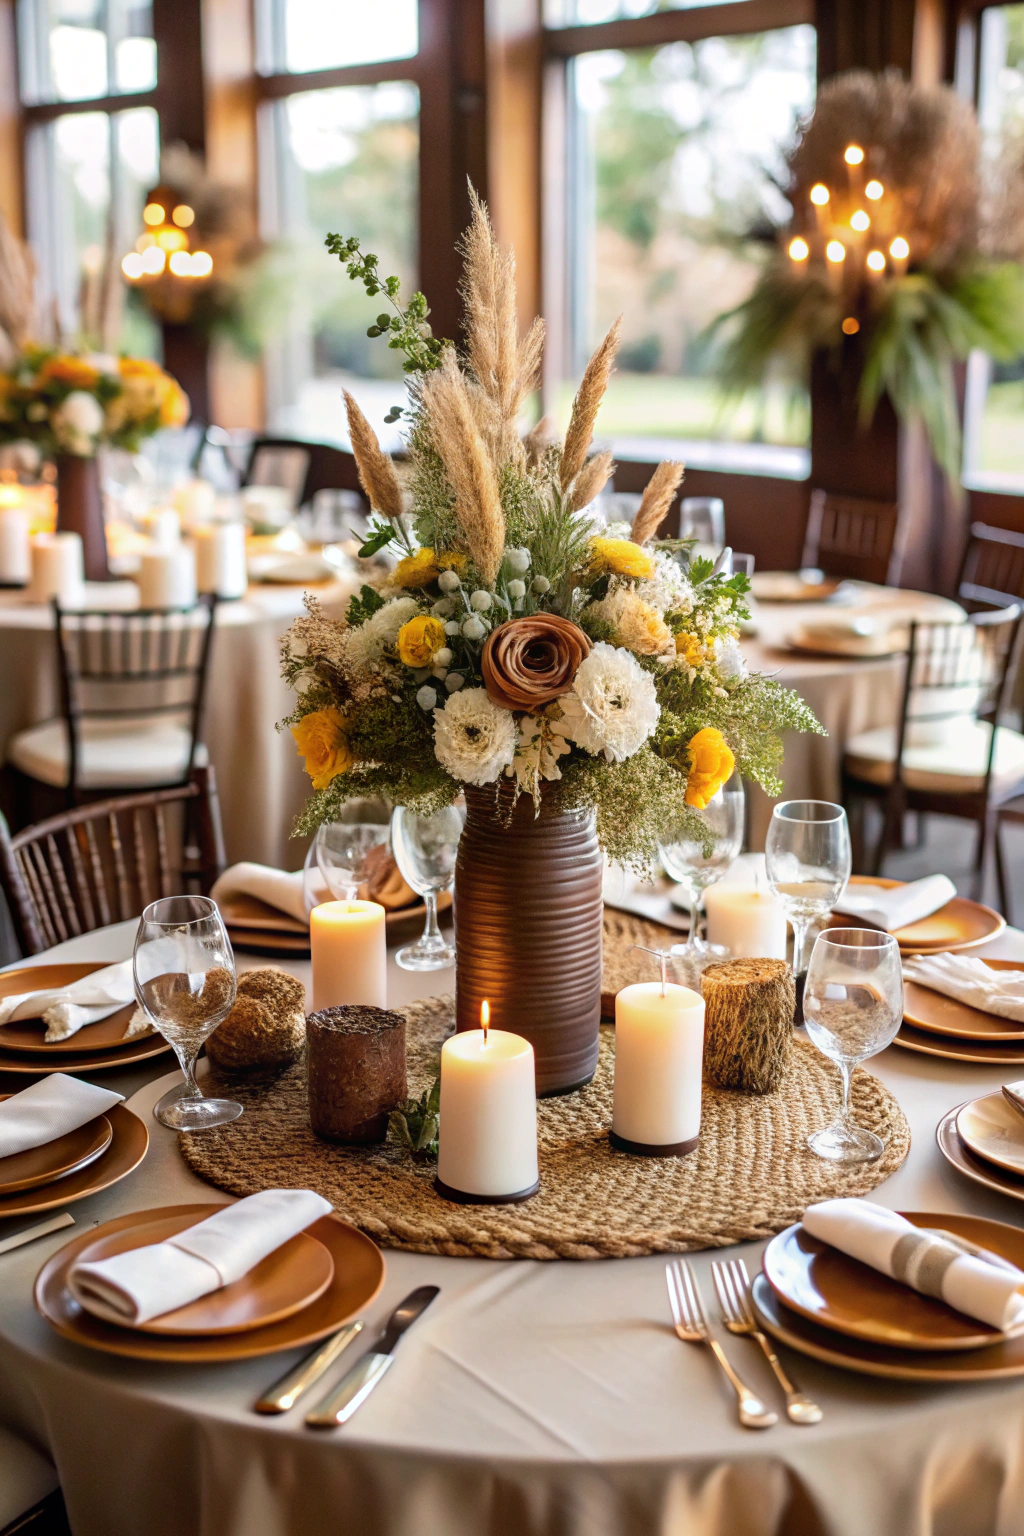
(692, 1327)
(733, 1286)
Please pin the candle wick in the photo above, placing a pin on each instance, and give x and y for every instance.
(662, 957)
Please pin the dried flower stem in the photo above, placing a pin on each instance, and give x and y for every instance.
(376, 471)
(585, 407)
(657, 499)
(591, 481)
(468, 466)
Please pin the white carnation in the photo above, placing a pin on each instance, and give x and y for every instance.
(729, 658)
(474, 738)
(669, 588)
(77, 423)
(380, 633)
(613, 706)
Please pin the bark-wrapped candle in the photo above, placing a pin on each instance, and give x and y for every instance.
(355, 1063)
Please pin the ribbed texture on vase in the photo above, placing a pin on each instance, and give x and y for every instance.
(528, 930)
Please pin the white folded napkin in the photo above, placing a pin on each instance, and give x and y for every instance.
(66, 1010)
(48, 1109)
(989, 1289)
(147, 1282)
(274, 886)
(897, 906)
(970, 981)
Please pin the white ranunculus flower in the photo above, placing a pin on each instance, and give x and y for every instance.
(474, 738)
(380, 632)
(77, 422)
(613, 706)
(729, 658)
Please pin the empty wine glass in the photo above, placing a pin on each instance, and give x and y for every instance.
(807, 859)
(349, 853)
(185, 983)
(703, 518)
(696, 866)
(853, 1006)
(425, 848)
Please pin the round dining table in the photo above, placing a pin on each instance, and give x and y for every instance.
(532, 1399)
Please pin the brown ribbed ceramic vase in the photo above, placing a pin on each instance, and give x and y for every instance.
(80, 510)
(528, 930)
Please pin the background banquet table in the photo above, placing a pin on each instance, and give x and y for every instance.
(534, 1399)
(260, 776)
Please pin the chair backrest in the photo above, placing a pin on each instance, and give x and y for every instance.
(303, 468)
(103, 863)
(132, 666)
(850, 536)
(956, 671)
(993, 567)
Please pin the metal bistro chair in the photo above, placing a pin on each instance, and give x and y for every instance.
(132, 690)
(103, 863)
(993, 567)
(947, 754)
(850, 536)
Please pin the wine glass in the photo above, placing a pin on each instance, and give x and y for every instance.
(853, 1006)
(348, 853)
(703, 518)
(807, 860)
(185, 983)
(685, 858)
(425, 848)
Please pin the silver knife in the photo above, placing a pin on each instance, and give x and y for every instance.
(356, 1385)
(285, 1392)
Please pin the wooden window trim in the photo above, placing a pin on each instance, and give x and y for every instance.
(47, 111)
(684, 26)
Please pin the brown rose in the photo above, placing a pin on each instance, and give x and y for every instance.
(530, 661)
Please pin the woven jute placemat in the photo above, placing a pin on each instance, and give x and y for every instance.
(751, 1176)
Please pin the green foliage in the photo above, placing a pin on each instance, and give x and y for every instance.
(635, 802)
(414, 1124)
(407, 329)
(363, 604)
(558, 540)
(379, 537)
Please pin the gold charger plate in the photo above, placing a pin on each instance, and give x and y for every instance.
(290, 1278)
(128, 1145)
(994, 1131)
(984, 1053)
(960, 924)
(807, 1338)
(358, 1276)
(786, 587)
(965, 1162)
(55, 1159)
(839, 1293)
(28, 1034)
(941, 1015)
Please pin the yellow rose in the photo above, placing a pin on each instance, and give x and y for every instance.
(423, 567)
(689, 647)
(73, 371)
(420, 639)
(320, 738)
(619, 557)
(711, 765)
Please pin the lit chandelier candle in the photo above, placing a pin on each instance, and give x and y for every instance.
(659, 1062)
(487, 1144)
(348, 949)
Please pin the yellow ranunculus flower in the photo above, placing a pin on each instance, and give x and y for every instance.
(423, 567)
(70, 370)
(711, 765)
(619, 557)
(321, 740)
(420, 639)
(690, 648)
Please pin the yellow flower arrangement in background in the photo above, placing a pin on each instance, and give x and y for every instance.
(711, 764)
(620, 557)
(320, 738)
(420, 640)
(74, 372)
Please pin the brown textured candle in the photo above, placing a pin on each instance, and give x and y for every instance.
(748, 1023)
(355, 1063)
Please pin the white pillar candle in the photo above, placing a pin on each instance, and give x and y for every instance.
(487, 1146)
(15, 548)
(163, 525)
(167, 577)
(659, 1057)
(195, 502)
(349, 952)
(220, 559)
(748, 923)
(58, 569)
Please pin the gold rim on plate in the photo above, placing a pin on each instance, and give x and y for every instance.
(965, 1162)
(938, 1014)
(128, 1146)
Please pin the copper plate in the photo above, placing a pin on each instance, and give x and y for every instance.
(28, 1034)
(790, 589)
(290, 1278)
(941, 1015)
(55, 1159)
(960, 924)
(985, 1053)
(994, 1131)
(965, 1162)
(837, 1292)
(358, 1276)
(989, 1364)
(128, 1145)
(257, 928)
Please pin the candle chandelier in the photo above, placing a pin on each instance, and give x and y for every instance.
(165, 264)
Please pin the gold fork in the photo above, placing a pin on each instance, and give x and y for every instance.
(733, 1286)
(692, 1327)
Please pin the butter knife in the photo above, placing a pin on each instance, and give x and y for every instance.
(1013, 1093)
(356, 1385)
(285, 1393)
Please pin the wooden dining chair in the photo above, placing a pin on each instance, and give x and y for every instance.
(992, 572)
(302, 468)
(132, 686)
(947, 753)
(850, 537)
(103, 863)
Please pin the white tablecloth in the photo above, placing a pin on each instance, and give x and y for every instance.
(532, 1400)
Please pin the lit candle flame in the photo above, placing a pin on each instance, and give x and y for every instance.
(899, 248)
(835, 251)
(874, 190)
(799, 250)
(819, 194)
(485, 1018)
(854, 155)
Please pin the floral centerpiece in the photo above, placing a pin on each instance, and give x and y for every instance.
(581, 684)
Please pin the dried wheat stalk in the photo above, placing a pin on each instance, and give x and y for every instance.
(376, 471)
(468, 465)
(656, 500)
(538, 440)
(585, 407)
(591, 481)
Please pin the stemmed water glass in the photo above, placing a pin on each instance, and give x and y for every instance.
(807, 859)
(697, 866)
(703, 518)
(185, 983)
(349, 853)
(425, 848)
(853, 1006)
